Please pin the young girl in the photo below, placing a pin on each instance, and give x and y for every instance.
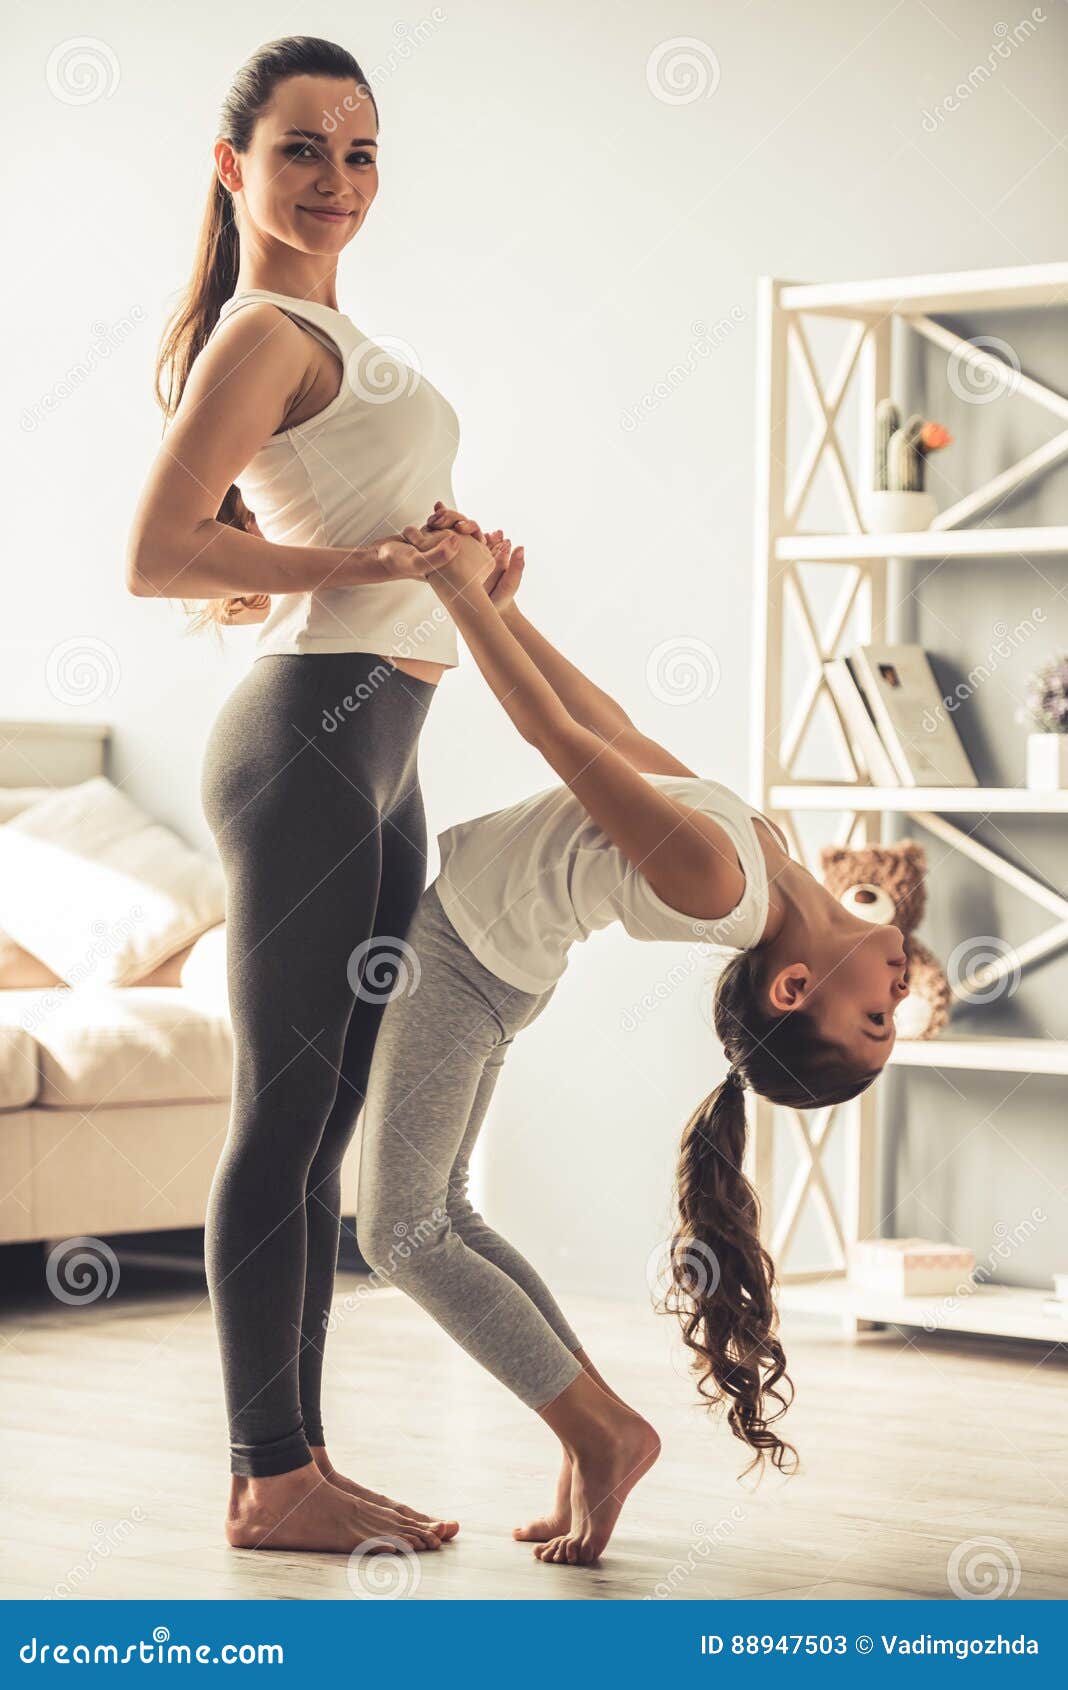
(804, 1011)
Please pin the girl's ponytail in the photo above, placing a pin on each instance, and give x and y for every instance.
(722, 1278)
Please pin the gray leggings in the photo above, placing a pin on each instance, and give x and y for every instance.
(439, 1053)
(311, 790)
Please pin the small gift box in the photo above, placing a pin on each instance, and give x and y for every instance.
(912, 1267)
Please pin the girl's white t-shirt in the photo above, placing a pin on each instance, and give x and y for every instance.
(523, 884)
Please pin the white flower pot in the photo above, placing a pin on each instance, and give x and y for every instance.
(1047, 762)
(899, 513)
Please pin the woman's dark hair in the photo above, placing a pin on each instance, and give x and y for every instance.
(215, 261)
(722, 1278)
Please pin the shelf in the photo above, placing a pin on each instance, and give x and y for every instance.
(994, 1056)
(11, 730)
(1020, 287)
(941, 800)
(931, 543)
(999, 1311)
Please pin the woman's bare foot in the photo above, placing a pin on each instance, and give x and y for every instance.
(558, 1518)
(443, 1529)
(607, 1462)
(302, 1509)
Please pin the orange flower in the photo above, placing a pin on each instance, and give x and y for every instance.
(933, 436)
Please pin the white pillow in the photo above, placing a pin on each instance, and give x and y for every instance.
(96, 889)
(16, 798)
(204, 969)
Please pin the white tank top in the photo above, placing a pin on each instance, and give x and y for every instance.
(522, 885)
(374, 460)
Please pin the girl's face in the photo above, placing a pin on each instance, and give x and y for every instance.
(311, 173)
(851, 992)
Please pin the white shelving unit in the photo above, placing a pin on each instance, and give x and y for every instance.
(868, 311)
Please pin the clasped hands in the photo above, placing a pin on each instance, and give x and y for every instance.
(475, 559)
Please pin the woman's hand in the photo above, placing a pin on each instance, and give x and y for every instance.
(442, 517)
(249, 607)
(453, 560)
(503, 584)
(412, 555)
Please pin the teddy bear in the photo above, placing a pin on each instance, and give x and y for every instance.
(883, 883)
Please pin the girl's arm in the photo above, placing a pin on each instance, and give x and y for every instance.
(587, 704)
(581, 698)
(686, 857)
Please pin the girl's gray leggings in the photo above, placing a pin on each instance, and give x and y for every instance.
(443, 1038)
(311, 790)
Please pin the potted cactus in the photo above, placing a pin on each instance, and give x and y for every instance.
(898, 502)
(1045, 709)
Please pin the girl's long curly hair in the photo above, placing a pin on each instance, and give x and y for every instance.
(215, 261)
(722, 1277)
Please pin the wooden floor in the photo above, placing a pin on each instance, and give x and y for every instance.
(915, 1451)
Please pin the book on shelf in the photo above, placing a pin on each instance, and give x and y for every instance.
(869, 752)
(914, 722)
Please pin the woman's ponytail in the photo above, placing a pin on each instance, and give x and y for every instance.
(217, 258)
(722, 1278)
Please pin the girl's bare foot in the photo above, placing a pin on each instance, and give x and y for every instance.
(302, 1509)
(559, 1517)
(606, 1465)
(443, 1529)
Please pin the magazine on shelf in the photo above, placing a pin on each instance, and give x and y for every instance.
(869, 752)
(915, 724)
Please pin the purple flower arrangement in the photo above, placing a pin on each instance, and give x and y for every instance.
(1046, 697)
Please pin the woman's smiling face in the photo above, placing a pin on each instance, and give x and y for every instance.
(310, 175)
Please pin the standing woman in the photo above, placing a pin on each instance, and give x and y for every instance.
(281, 407)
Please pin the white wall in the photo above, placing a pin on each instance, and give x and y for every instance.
(554, 240)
